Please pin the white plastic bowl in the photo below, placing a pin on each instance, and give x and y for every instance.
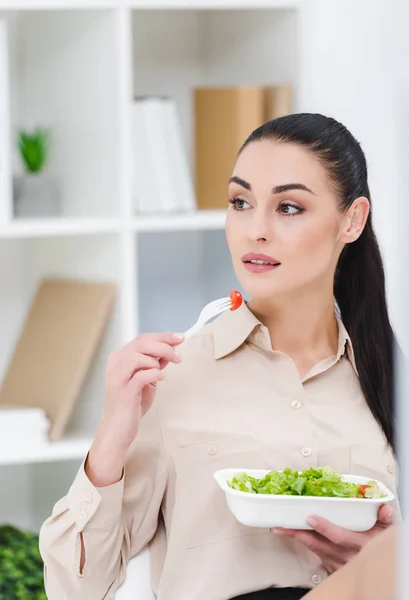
(292, 512)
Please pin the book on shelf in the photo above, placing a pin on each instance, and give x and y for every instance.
(6, 201)
(19, 424)
(161, 181)
(55, 349)
(224, 118)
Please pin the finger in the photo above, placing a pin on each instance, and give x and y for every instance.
(173, 339)
(163, 363)
(123, 371)
(323, 548)
(386, 516)
(157, 349)
(144, 378)
(333, 533)
(284, 531)
(147, 397)
(313, 541)
(144, 361)
(302, 535)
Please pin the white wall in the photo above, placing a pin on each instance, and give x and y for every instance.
(66, 79)
(349, 57)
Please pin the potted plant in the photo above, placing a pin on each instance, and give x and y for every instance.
(35, 192)
(21, 566)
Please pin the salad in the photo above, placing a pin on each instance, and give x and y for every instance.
(322, 481)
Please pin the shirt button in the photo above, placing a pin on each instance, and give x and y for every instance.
(83, 515)
(88, 497)
(212, 450)
(391, 468)
(316, 579)
(295, 404)
(306, 452)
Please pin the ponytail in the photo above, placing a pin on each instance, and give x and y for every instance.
(360, 293)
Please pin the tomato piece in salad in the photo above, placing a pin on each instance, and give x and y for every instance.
(362, 489)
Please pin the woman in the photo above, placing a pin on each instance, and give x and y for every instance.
(280, 382)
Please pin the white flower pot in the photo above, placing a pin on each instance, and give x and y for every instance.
(36, 195)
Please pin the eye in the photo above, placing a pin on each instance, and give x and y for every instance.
(239, 204)
(290, 210)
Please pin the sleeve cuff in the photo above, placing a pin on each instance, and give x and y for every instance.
(98, 507)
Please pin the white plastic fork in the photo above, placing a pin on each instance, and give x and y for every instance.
(211, 310)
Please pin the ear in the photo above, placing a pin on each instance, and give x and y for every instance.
(355, 220)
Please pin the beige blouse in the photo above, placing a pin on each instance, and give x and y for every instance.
(232, 402)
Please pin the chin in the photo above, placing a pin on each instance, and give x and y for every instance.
(257, 286)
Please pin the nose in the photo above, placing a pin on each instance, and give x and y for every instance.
(261, 227)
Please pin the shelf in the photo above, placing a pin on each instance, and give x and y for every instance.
(32, 228)
(213, 4)
(196, 221)
(41, 228)
(70, 448)
(150, 4)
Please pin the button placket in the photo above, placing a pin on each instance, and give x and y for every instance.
(309, 448)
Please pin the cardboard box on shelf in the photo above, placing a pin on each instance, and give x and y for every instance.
(54, 352)
(224, 118)
(278, 101)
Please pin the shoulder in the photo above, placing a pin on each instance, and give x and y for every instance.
(203, 354)
(200, 344)
(183, 381)
(197, 350)
(199, 359)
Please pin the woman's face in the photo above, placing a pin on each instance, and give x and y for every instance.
(282, 212)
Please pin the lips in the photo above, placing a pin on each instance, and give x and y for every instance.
(267, 260)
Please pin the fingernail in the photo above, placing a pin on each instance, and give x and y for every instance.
(178, 337)
(312, 522)
(178, 356)
(389, 515)
(277, 531)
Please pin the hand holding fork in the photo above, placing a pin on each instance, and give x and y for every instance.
(132, 374)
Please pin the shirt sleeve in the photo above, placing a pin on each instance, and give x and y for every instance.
(116, 522)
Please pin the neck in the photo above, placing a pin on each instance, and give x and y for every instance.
(304, 327)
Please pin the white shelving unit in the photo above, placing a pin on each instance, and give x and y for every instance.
(149, 4)
(70, 448)
(75, 66)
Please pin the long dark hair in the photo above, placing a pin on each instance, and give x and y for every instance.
(359, 286)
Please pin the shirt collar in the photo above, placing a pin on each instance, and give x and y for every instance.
(234, 328)
(344, 341)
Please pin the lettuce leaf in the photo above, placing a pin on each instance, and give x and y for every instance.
(322, 481)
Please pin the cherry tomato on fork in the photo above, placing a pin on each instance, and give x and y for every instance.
(236, 299)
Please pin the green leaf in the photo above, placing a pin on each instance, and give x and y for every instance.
(34, 147)
(21, 566)
(322, 481)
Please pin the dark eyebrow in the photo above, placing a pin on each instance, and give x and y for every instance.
(279, 189)
(240, 181)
